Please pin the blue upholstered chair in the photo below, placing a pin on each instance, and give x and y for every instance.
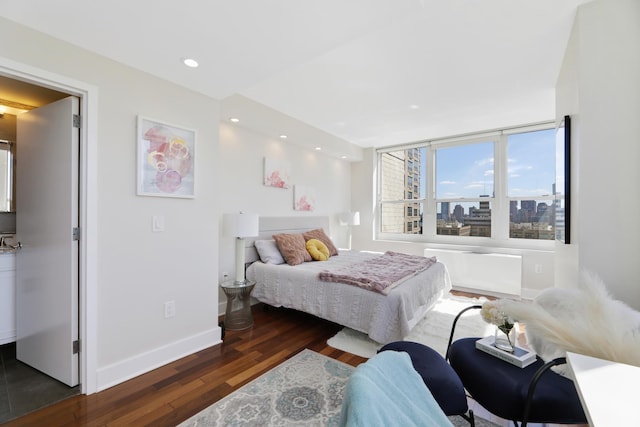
(438, 376)
(531, 394)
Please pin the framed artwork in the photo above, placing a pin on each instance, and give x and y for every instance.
(562, 193)
(304, 198)
(276, 173)
(166, 155)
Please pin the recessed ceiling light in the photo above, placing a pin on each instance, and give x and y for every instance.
(234, 119)
(283, 136)
(190, 62)
(414, 107)
(343, 157)
(318, 148)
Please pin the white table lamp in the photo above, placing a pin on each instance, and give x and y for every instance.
(240, 225)
(349, 219)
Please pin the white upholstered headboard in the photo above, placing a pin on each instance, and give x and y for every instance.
(271, 225)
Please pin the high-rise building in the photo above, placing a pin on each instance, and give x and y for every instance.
(400, 174)
(458, 213)
(444, 211)
(480, 219)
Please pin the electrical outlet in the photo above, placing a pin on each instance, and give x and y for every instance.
(538, 268)
(169, 309)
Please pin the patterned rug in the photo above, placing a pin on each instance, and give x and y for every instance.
(305, 390)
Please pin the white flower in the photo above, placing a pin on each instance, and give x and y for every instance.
(492, 312)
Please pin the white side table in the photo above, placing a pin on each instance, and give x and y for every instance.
(238, 314)
(607, 389)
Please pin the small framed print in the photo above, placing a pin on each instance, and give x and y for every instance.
(276, 173)
(165, 160)
(304, 198)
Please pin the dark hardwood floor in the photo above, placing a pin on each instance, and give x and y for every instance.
(169, 395)
(175, 392)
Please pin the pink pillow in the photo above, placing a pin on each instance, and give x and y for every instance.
(319, 234)
(293, 248)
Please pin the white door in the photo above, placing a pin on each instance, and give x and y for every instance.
(47, 159)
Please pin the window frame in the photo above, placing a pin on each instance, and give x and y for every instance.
(500, 201)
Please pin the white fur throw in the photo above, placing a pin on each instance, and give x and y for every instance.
(584, 320)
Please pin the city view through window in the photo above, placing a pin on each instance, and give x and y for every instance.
(464, 182)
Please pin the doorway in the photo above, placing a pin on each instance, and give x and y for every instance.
(28, 85)
(26, 389)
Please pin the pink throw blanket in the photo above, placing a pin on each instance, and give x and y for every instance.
(380, 274)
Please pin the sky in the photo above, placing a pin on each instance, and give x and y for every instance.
(468, 170)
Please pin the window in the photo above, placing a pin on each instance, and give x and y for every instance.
(464, 176)
(497, 186)
(530, 182)
(401, 189)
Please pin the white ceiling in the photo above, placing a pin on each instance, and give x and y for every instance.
(370, 72)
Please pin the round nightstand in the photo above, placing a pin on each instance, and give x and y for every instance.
(238, 314)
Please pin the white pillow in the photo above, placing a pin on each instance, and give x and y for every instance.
(268, 252)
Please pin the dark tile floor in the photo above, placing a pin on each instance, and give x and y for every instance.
(24, 389)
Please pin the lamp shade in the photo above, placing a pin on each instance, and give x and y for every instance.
(240, 224)
(350, 218)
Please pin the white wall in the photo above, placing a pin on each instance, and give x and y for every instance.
(605, 58)
(567, 103)
(241, 188)
(137, 270)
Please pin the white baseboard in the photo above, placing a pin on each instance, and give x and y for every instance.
(120, 372)
(530, 294)
(526, 293)
(7, 336)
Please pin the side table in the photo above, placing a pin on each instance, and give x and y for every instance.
(238, 314)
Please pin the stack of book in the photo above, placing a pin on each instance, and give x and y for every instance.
(520, 357)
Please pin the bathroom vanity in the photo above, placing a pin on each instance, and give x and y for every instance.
(7, 297)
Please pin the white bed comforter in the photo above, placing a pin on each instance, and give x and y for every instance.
(385, 318)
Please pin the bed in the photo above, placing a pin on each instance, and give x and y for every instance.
(384, 318)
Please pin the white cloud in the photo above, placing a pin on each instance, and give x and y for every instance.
(475, 185)
(517, 168)
(483, 162)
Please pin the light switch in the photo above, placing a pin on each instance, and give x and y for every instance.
(157, 223)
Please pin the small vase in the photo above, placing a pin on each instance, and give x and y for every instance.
(505, 341)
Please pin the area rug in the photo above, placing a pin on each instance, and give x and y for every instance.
(305, 390)
(432, 330)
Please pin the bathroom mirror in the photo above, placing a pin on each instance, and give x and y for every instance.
(7, 186)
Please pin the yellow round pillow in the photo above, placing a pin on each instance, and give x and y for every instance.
(317, 250)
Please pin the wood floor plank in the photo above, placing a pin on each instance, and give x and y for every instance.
(173, 393)
(257, 369)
